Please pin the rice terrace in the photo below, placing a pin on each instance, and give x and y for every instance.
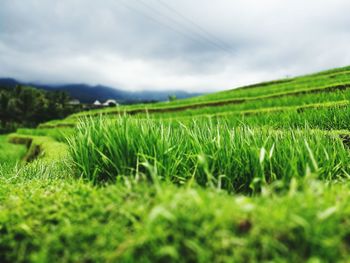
(258, 173)
(211, 183)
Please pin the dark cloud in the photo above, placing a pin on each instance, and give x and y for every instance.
(137, 44)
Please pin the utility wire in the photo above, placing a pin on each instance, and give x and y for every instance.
(186, 27)
(161, 23)
(193, 23)
(158, 22)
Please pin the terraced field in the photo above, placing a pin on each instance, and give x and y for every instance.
(256, 174)
(10, 153)
(323, 82)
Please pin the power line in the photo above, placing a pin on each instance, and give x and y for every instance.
(167, 25)
(186, 27)
(193, 23)
(159, 22)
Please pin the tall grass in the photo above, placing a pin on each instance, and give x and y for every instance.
(237, 159)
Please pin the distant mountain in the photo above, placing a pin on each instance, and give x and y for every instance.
(88, 94)
(7, 82)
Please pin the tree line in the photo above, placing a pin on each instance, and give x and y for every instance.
(27, 107)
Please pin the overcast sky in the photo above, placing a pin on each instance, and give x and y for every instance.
(194, 45)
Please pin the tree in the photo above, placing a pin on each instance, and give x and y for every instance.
(13, 110)
(4, 100)
(27, 107)
(172, 97)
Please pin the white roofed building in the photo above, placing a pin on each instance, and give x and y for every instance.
(111, 103)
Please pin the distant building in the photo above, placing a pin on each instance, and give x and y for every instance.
(97, 103)
(110, 103)
(74, 102)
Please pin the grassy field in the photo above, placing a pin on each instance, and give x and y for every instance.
(10, 154)
(327, 81)
(257, 174)
(105, 149)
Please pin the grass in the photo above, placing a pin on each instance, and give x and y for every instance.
(297, 101)
(336, 112)
(46, 218)
(238, 159)
(331, 87)
(263, 180)
(59, 134)
(44, 148)
(227, 102)
(320, 81)
(10, 154)
(325, 117)
(330, 116)
(61, 124)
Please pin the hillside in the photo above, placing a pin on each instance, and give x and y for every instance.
(321, 90)
(89, 94)
(254, 174)
(331, 80)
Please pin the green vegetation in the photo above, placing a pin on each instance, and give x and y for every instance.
(104, 149)
(258, 174)
(327, 81)
(329, 116)
(333, 116)
(293, 101)
(50, 218)
(44, 148)
(10, 154)
(57, 134)
(27, 107)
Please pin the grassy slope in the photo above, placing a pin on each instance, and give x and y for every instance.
(10, 153)
(51, 219)
(39, 147)
(47, 214)
(306, 83)
(294, 101)
(288, 93)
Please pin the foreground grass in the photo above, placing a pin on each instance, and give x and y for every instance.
(133, 189)
(48, 217)
(236, 159)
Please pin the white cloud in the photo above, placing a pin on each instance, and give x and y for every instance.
(137, 44)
